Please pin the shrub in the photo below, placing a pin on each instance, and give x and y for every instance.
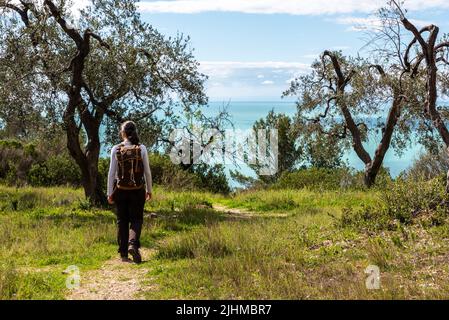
(402, 202)
(314, 178)
(428, 166)
(211, 178)
(366, 218)
(16, 159)
(165, 173)
(56, 170)
(328, 179)
(22, 163)
(407, 199)
(199, 176)
(40, 165)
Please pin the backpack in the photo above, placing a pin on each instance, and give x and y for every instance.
(130, 167)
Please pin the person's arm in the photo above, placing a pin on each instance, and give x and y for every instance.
(147, 170)
(112, 171)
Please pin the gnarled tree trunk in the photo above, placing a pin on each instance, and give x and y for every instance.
(429, 54)
(372, 165)
(87, 161)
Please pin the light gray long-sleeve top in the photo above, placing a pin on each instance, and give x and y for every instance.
(113, 168)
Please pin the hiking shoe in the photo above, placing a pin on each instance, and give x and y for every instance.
(134, 252)
(124, 258)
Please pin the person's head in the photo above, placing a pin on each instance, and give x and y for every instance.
(128, 130)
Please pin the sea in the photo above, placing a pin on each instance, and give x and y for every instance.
(243, 114)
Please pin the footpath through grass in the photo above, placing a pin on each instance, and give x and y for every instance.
(202, 253)
(43, 231)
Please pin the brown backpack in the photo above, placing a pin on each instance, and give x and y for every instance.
(130, 167)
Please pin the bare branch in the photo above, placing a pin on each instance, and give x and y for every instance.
(70, 31)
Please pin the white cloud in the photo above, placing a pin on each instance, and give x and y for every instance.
(368, 23)
(225, 68)
(295, 7)
(360, 23)
(234, 79)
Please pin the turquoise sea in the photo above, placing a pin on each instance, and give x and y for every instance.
(245, 113)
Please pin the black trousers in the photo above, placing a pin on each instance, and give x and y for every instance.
(130, 204)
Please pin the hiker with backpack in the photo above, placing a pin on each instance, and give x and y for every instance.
(129, 186)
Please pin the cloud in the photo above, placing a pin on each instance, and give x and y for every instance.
(369, 23)
(224, 69)
(234, 79)
(294, 7)
(360, 23)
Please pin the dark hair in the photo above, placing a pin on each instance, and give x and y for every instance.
(129, 130)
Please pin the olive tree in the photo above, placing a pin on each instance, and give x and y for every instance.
(350, 100)
(92, 70)
(289, 152)
(425, 57)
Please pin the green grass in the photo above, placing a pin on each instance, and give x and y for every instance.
(306, 255)
(45, 230)
(298, 200)
(201, 253)
(296, 259)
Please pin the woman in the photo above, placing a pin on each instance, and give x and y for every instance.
(129, 171)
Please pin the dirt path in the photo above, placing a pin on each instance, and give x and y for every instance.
(245, 214)
(115, 280)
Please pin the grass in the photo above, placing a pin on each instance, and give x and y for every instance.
(201, 253)
(42, 231)
(298, 201)
(45, 230)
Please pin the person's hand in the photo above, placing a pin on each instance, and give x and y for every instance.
(148, 196)
(110, 200)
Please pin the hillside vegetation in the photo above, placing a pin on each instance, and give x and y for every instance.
(277, 244)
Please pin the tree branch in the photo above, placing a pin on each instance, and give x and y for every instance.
(70, 31)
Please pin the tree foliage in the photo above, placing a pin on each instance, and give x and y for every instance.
(95, 70)
(347, 101)
(289, 152)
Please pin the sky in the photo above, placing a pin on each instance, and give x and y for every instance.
(252, 49)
